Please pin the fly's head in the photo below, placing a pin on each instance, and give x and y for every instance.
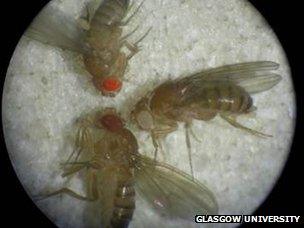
(109, 120)
(142, 115)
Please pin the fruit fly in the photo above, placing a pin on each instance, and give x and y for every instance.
(108, 152)
(97, 37)
(224, 90)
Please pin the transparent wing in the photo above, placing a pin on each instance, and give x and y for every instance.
(254, 77)
(171, 192)
(52, 27)
(90, 10)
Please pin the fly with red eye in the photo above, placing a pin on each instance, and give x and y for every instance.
(116, 173)
(97, 37)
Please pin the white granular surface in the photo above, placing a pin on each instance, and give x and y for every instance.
(46, 90)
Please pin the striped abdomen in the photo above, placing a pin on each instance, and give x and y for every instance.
(224, 97)
(110, 12)
(124, 201)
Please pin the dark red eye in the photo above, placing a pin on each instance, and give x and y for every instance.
(112, 123)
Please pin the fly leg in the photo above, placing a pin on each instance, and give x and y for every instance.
(123, 39)
(157, 144)
(188, 143)
(134, 48)
(83, 141)
(92, 191)
(159, 133)
(74, 167)
(124, 23)
(122, 60)
(231, 120)
(143, 37)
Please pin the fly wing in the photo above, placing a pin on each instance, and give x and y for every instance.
(54, 28)
(171, 192)
(83, 149)
(254, 77)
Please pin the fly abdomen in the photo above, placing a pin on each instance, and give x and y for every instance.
(234, 99)
(124, 203)
(225, 97)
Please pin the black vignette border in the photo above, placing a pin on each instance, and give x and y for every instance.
(16, 206)
(286, 19)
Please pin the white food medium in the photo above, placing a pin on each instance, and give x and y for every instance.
(44, 93)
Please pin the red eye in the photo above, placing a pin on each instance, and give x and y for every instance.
(111, 84)
(112, 122)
